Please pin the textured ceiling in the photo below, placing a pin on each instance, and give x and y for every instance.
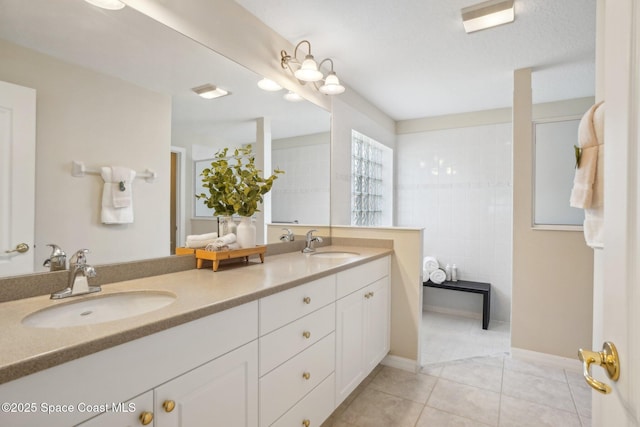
(412, 58)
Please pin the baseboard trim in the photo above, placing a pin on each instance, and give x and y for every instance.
(546, 358)
(403, 363)
(453, 312)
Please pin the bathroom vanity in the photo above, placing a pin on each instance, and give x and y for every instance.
(274, 344)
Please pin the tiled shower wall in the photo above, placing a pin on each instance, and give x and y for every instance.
(457, 184)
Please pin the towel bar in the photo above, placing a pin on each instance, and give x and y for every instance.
(78, 170)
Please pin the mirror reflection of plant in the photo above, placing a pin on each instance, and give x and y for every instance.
(235, 183)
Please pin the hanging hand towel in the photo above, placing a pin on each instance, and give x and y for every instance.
(588, 183)
(117, 208)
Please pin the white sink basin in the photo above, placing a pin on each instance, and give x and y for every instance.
(99, 309)
(334, 254)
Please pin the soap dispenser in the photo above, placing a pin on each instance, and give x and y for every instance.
(57, 260)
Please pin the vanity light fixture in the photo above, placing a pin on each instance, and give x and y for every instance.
(487, 14)
(269, 85)
(308, 71)
(210, 91)
(107, 4)
(292, 97)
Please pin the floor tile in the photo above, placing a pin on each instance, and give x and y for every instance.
(466, 401)
(521, 413)
(373, 408)
(404, 384)
(581, 394)
(475, 374)
(537, 369)
(536, 389)
(432, 417)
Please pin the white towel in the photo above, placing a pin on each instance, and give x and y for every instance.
(437, 276)
(197, 241)
(588, 183)
(222, 247)
(228, 241)
(117, 208)
(429, 264)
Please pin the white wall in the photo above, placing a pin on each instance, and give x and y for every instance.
(456, 183)
(302, 192)
(87, 116)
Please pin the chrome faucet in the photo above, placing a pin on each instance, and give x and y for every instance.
(79, 272)
(57, 260)
(288, 236)
(310, 240)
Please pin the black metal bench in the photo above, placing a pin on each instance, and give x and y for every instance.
(473, 287)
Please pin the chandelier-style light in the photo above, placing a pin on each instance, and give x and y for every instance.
(309, 71)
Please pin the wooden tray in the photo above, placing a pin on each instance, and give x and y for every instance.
(217, 256)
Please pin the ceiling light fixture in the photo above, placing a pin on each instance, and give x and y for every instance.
(308, 71)
(487, 14)
(210, 91)
(107, 4)
(292, 97)
(269, 85)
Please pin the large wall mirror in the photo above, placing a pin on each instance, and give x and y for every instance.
(115, 88)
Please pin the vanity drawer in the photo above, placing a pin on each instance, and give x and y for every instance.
(358, 277)
(315, 407)
(284, 343)
(284, 307)
(283, 387)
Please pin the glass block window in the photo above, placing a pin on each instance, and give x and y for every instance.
(367, 186)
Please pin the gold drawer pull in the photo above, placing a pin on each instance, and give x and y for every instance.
(306, 300)
(306, 423)
(168, 405)
(146, 418)
(306, 375)
(306, 334)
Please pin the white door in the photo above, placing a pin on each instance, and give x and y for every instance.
(17, 178)
(617, 278)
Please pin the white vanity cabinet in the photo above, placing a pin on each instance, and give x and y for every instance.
(362, 323)
(297, 355)
(133, 413)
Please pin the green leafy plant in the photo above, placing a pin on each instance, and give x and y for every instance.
(235, 184)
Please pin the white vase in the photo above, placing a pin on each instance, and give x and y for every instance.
(246, 233)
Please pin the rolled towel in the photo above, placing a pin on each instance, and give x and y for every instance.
(218, 247)
(429, 264)
(223, 242)
(196, 241)
(437, 276)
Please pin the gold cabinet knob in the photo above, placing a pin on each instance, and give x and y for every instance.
(306, 334)
(306, 375)
(371, 293)
(146, 418)
(367, 296)
(306, 300)
(306, 423)
(168, 405)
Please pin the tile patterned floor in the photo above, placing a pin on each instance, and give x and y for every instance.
(485, 390)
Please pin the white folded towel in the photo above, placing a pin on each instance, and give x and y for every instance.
(437, 276)
(228, 241)
(224, 247)
(197, 241)
(117, 195)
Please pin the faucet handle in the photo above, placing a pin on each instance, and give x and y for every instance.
(80, 257)
(57, 260)
(310, 233)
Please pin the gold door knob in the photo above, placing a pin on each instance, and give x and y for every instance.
(306, 423)
(146, 418)
(306, 300)
(20, 248)
(607, 358)
(168, 405)
(306, 334)
(306, 375)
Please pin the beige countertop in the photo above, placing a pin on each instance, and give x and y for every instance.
(25, 350)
